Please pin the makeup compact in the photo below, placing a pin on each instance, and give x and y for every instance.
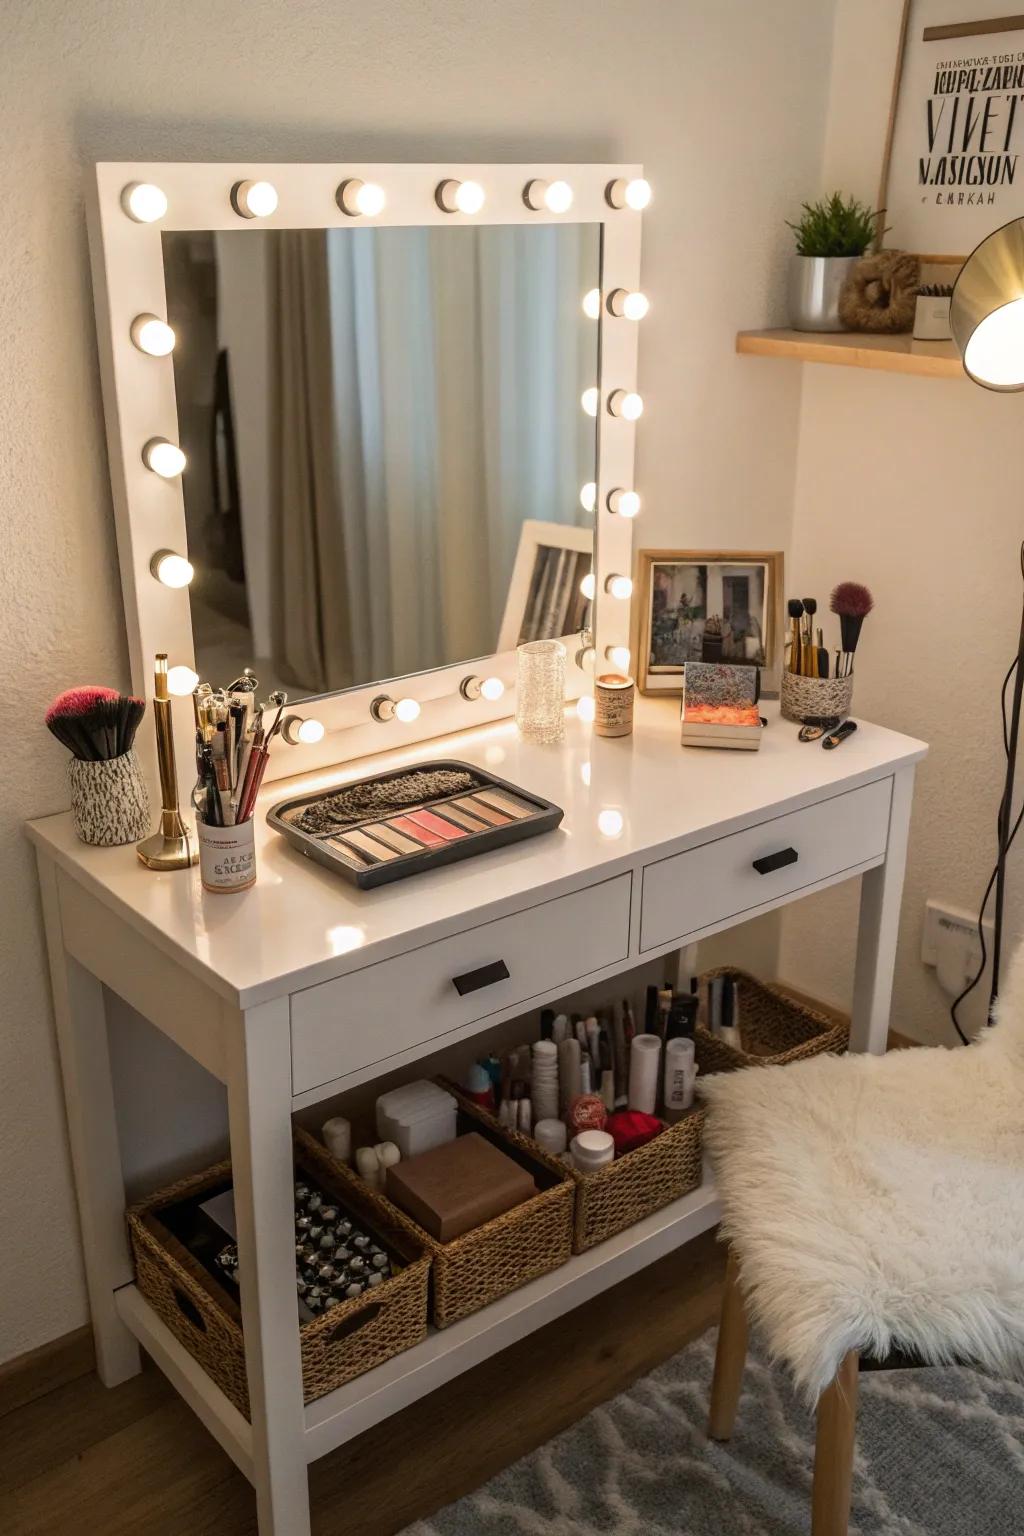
(400, 823)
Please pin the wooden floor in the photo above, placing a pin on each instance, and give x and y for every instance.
(136, 1462)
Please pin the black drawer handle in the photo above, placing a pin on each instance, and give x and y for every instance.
(774, 861)
(486, 976)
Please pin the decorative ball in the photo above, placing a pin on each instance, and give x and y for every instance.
(586, 1113)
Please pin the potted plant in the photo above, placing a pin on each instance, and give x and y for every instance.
(831, 236)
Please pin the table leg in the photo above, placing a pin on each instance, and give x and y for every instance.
(80, 1015)
(259, 1111)
(877, 934)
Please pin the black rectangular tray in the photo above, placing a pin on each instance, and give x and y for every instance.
(546, 820)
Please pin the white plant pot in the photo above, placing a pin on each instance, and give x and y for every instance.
(815, 283)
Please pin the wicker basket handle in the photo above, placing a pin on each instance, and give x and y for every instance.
(188, 1309)
(353, 1323)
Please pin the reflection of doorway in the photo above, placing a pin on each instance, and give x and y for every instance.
(736, 610)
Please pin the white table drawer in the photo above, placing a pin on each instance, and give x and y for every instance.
(718, 880)
(369, 1015)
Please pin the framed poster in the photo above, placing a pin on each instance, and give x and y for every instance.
(953, 169)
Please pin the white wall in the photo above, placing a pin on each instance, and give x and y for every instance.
(914, 487)
(725, 105)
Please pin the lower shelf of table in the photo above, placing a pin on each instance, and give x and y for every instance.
(444, 1354)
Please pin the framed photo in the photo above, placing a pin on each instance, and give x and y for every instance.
(953, 165)
(697, 605)
(544, 598)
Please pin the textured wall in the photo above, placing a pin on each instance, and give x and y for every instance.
(725, 105)
(913, 486)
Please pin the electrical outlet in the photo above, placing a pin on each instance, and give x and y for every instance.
(944, 925)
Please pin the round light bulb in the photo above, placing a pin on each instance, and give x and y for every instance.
(635, 306)
(619, 656)
(638, 193)
(492, 688)
(152, 336)
(589, 400)
(586, 656)
(143, 202)
(163, 458)
(171, 569)
(310, 732)
(625, 403)
(588, 496)
(254, 199)
(365, 198)
(469, 197)
(588, 586)
(610, 823)
(619, 586)
(407, 710)
(585, 706)
(625, 503)
(181, 680)
(592, 304)
(558, 197)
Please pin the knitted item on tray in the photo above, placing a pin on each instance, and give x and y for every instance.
(381, 797)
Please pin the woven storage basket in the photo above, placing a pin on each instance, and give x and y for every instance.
(529, 1240)
(350, 1339)
(804, 696)
(780, 1029)
(634, 1185)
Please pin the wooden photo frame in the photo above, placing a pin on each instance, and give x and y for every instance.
(951, 171)
(744, 588)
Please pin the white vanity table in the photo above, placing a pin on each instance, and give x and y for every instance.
(304, 986)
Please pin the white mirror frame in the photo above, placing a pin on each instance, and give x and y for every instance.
(139, 402)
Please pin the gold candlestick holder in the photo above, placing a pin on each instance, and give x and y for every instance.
(173, 847)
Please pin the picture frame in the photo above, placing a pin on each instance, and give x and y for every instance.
(544, 599)
(950, 158)
(678, 590)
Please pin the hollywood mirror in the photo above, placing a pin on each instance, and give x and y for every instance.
(365, 433)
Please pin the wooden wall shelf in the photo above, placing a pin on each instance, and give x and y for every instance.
(889, 354)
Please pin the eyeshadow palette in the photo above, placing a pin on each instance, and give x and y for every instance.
(395, 824)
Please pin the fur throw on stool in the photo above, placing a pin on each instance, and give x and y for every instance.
(878, 1201)
(881, 293)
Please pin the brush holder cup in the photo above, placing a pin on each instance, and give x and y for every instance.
(807, 696)
(109, 802)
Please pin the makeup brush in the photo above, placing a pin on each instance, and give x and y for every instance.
(795, 608)
(809, 662)
(852, 602)
(95, 724)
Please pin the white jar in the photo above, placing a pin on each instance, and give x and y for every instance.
(227, 856)
(591, 1150)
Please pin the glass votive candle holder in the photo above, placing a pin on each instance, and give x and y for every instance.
(540, 691)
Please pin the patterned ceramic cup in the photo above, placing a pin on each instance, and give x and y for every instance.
(109, 802)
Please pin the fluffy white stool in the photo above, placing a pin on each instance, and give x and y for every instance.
(872, 1205)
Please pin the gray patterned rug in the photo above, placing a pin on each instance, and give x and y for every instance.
(940, 1453)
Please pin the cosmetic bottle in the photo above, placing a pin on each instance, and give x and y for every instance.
(679, 1077)
(729, 1028)
(591, 1150)
(683, 1017)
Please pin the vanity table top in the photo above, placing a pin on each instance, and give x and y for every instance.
(300, 924)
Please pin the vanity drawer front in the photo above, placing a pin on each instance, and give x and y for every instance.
(372, 1014)
(718, 880)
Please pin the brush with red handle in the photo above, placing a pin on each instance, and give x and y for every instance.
(852, 602)
(95, 724)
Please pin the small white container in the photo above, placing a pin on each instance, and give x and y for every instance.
(591, 1150)
(931, 317)
(417, 1117)
(552, 1135)
(227, 856)
(680, 1079)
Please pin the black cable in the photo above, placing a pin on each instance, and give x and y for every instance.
(1005, 834)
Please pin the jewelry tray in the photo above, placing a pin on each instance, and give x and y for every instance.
(283, 818)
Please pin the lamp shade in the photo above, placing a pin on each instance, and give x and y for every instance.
(986, 312)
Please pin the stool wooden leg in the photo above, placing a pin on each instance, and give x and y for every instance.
(833, 1452)
(730, 1356)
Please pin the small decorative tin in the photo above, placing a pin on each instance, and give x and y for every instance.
(227, 857)
(613, 704)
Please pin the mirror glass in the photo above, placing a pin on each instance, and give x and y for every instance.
(386, 445)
